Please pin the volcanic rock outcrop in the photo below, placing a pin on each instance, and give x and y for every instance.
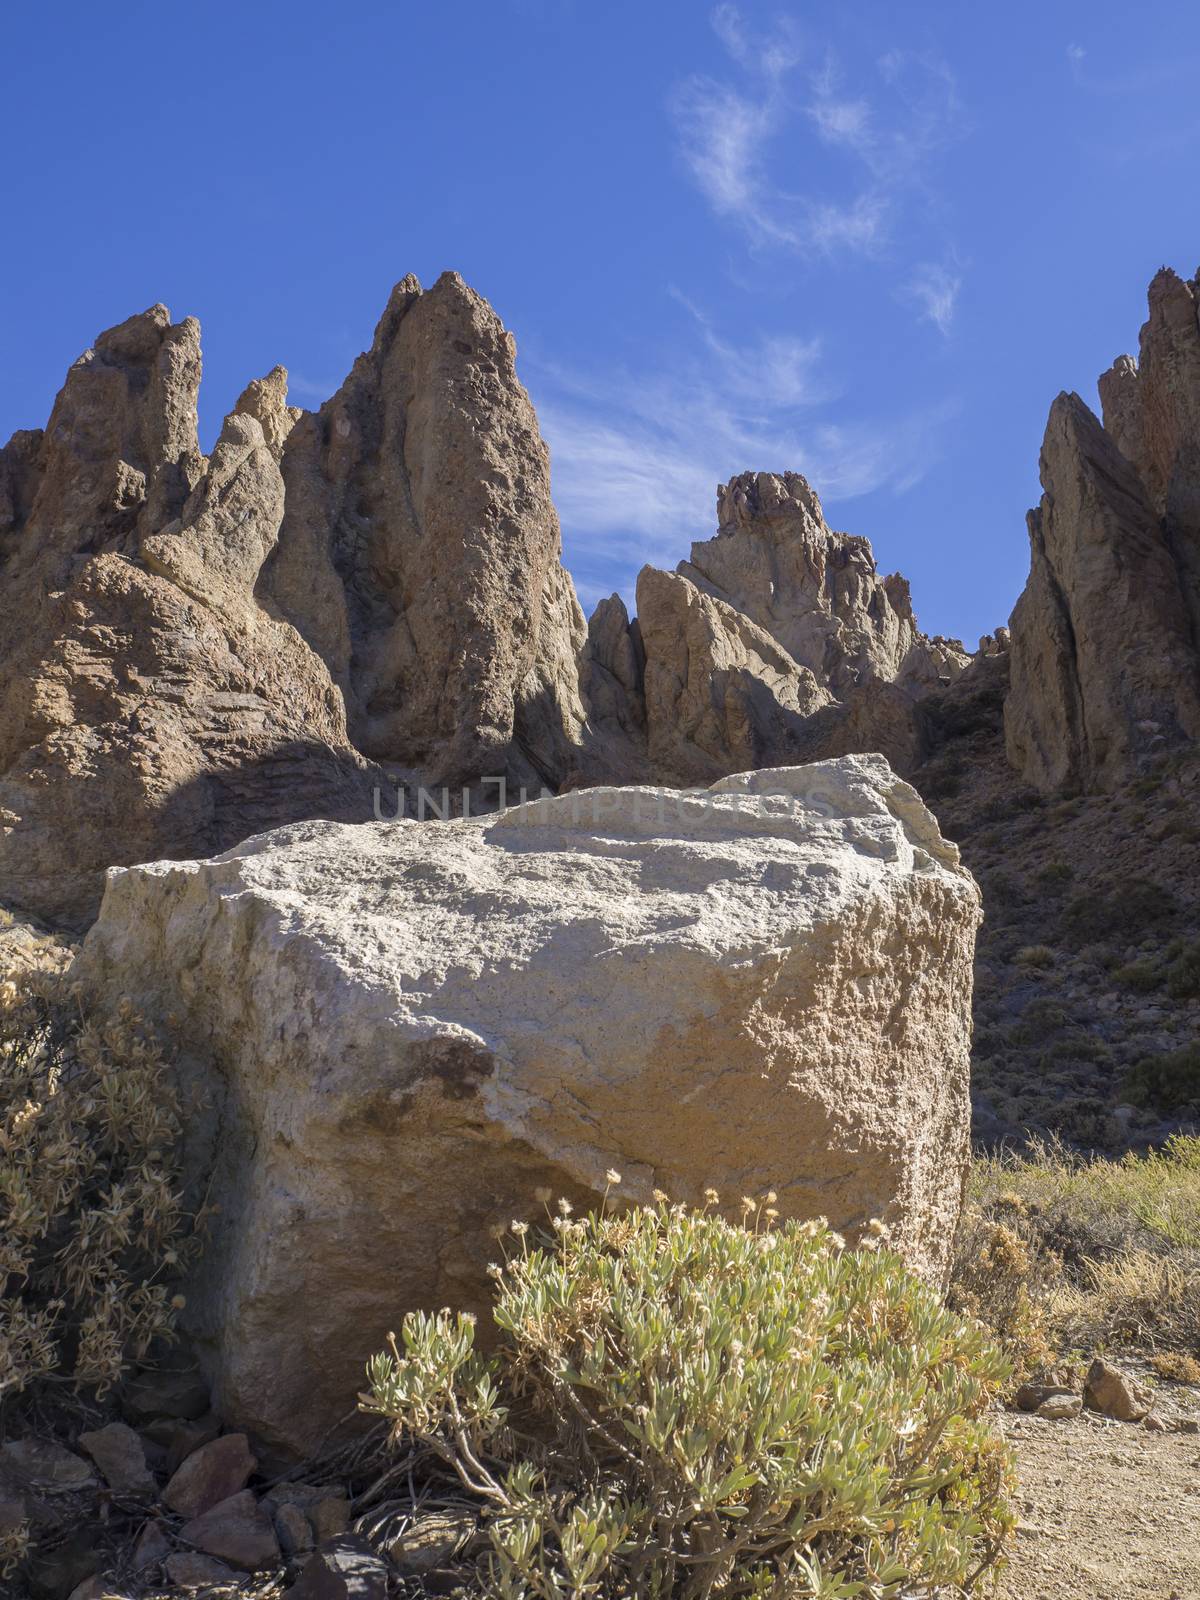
(182, 639)
(720, 694)
(776, 643)
(404, 1032)
(148, 706)
(1106, 636)
(420, 553)
(815, 591)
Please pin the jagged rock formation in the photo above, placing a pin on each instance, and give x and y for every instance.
(150, 707)
(815, 591)
(195, 650)
(420, 553)
(402, 1031)
(182, 640)
(776, 643)
(1106, 636)
(720, 694)
(1152, 410)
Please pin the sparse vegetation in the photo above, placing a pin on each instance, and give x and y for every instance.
(1142, 975)
(1168, 1081)
(1059, 1252)
(1183, 969)
(1125, 908)
(685, 1407)
(1054, 874)
(1175, 1366)
(91, 1225)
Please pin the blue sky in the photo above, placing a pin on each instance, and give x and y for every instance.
(867, 242)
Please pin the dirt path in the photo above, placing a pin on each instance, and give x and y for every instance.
(1108, 1511)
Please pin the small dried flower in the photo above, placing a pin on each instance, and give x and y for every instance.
(542, 1195)
(712, 1197)
(771, 1197)
(612, 1176)
(519, 1228)
(565, 1207)
(494, 1270)
(660, 1197)
(178, 1301)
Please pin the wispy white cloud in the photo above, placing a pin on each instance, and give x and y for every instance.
(840, 119)
(740, 141)
(636, 456)
(728, 27)
(934, 288)
(725, 134)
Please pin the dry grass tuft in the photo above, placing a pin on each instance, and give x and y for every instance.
(1176, 1367)
(92, 1231)
(1059, 1252)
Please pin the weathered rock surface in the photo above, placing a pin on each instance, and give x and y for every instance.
(720, 694)
(1106, 636)
(816, 592)
(420, 550)
(1152, 410)
(149, 705)
(406, 1029)
(1114, 1393)
(26, 946)
(345, 1569)
(210, 1475)
(44, 1466)
(777, 643)
(236, 1530)
(189, 1570)
(182, 639)
(118, 1453)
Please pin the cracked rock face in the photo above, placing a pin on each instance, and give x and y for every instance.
(778, 642)
(420, 553)
(404, 1030)
(194, 650)
(816, 592)
(1106, 636)
(150, 706)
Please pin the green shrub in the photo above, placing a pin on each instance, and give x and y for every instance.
(1074, 1045)
(1042, 1018)
(1142, 975)
(683, 1407)
(91, 1227)
(1127, 909)
(1055, 874)
(1177, 969)
(1169, 1081)
(1183, 970)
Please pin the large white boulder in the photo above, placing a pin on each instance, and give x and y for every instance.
(403, 1030)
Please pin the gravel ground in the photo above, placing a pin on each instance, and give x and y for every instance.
(1108, 1511)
